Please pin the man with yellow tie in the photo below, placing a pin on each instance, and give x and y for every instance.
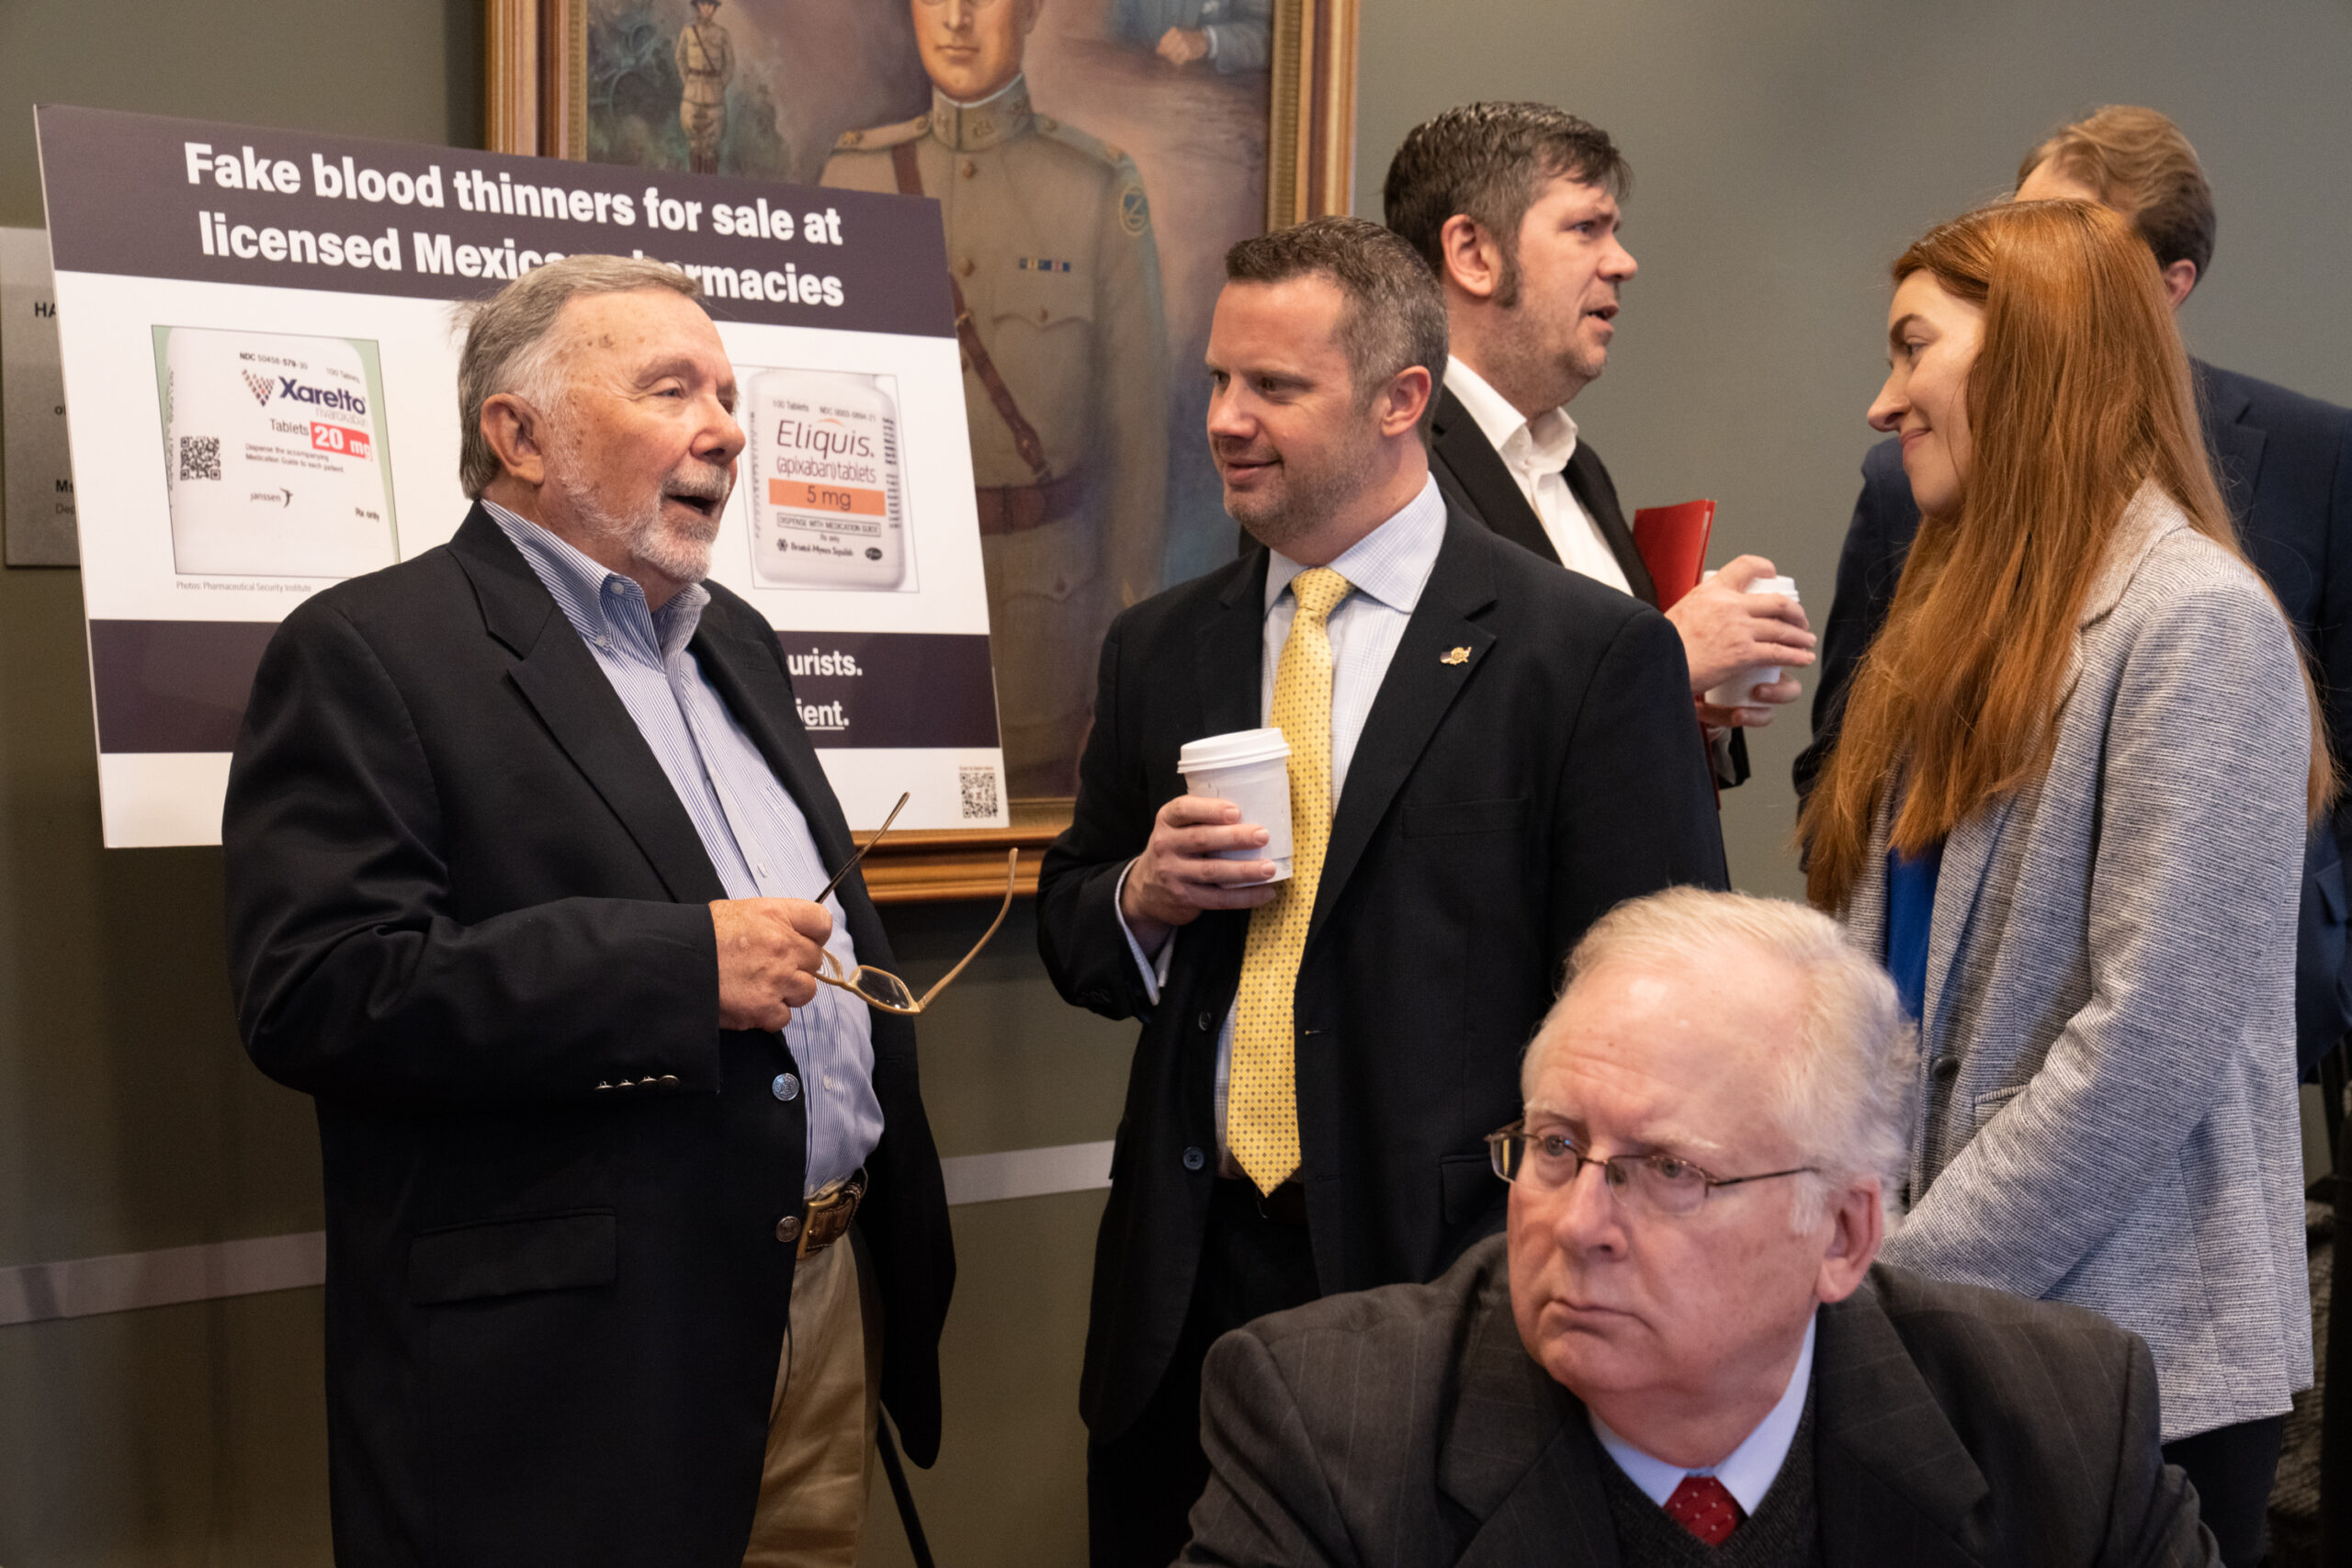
(1487, 753)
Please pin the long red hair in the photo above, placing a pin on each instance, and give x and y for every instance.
(2080, 394)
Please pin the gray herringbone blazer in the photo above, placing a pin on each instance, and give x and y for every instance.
(1952, 1427)
(2108, 1055)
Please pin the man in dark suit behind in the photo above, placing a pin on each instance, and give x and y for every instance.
(1514, 207)
(519, 839)
(1486, 753)
(1686, 1355)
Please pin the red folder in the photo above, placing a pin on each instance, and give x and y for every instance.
(1673, 544)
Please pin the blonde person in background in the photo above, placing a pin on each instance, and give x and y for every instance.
(2068, 807)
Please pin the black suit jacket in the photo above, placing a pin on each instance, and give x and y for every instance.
(463, 900)
(1953, 1427)
(2285, 465)
(1528, 762)
(1475, 480)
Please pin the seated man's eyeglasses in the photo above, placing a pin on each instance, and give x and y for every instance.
(1659, 1184)
(879, 987)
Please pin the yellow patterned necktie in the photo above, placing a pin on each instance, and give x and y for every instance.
(1261, 1098)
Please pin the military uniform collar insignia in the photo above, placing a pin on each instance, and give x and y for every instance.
(968, 127)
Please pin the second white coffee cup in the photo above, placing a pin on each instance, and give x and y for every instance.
(1740, 690)
(1251, 769)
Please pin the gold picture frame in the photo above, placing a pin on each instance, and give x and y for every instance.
(535, 102)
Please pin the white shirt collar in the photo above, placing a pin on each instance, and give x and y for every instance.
(1749, 1470)
(1540, 445)
(1391, 564)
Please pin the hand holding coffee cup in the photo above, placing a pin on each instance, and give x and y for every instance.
(1251, 769)
(1222, 845)
(1742, 629)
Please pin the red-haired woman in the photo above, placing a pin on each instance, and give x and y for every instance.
(2068, 806)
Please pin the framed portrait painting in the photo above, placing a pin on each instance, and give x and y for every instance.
(1092, 159)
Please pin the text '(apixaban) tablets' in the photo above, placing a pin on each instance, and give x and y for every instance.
(828, 503)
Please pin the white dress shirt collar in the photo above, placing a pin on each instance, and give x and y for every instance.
(1529, 446)
(1748, 1470)
(1392, 563)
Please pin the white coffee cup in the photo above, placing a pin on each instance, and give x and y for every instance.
(1740, 690)
(1251, 769)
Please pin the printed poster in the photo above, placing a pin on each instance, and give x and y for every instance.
(260, 333)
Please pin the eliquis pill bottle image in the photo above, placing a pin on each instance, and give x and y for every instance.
(827, 500)
(273, 455)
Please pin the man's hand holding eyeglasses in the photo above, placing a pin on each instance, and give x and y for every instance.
(769, 950)
(1178, 876)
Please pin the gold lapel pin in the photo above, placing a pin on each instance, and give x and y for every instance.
(1458, 656)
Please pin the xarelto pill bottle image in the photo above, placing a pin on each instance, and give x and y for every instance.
(827, 500)
(273, 455)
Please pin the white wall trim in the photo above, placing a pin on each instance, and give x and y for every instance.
(84, 1287)
(1028, 1173)
(127, 1282)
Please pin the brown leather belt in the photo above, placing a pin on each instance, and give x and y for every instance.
(1014, 509)
(830, 1212)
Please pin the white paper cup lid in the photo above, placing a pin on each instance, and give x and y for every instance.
(1231, 750)
(1784, 586)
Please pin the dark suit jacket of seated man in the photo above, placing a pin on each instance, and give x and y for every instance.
(1527, 759)
(1667, 1372)
(478, 917)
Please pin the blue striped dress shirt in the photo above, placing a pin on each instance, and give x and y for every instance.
(757, 839)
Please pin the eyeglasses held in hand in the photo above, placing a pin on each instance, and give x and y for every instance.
(879, 987)
(1661, 1183)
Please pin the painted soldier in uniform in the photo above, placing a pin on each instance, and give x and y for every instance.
(1050, 250)
(705, 62)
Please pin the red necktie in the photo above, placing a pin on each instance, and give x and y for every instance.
(1705, 1507)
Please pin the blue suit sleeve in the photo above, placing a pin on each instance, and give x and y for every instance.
(1878, 541)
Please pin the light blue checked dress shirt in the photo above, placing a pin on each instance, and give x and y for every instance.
(1386, 570)
(757, 839)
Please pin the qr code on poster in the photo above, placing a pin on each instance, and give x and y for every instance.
(979, 794)
(200, 457)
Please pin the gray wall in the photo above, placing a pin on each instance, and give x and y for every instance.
(129, 1118)
(1784, 153)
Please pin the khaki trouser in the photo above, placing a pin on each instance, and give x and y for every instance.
(704, 125)
(820, 1421)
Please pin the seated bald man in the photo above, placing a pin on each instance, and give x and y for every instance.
(1680, 1352)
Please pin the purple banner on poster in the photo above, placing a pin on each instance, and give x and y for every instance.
(174, 685)
(892, 689)
(147, 197)
(182, 685)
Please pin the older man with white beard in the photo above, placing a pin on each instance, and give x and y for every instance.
(520, 837)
